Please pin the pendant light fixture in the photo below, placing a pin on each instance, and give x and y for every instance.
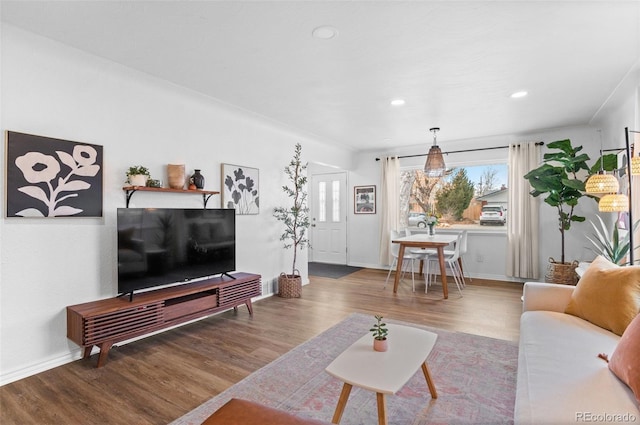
(614, 202)
(602, 182)
(434, 167)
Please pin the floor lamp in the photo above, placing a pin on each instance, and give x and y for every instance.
(634, 170)
(607, 184)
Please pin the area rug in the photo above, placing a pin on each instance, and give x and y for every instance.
(475, 378)
(333, 271)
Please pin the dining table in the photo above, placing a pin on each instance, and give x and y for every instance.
(425, 241)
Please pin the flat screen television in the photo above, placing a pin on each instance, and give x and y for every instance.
(162, 246)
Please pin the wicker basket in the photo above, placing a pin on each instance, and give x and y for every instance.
(290, 286)
(564, 273)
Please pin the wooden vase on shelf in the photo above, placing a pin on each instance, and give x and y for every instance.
(176, 177)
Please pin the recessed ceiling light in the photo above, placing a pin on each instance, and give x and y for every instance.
(519, 94)
(398, 102)
(325, 32)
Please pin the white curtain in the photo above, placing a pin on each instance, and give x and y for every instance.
(389, 206)
(522, 223)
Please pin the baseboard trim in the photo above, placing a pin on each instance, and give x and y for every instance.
(473, 275)
(34, 369)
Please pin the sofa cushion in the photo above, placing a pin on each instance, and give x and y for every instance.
(561, 380)
(607, 295)
(625, 361)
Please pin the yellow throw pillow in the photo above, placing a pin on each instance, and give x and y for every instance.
(607, 295)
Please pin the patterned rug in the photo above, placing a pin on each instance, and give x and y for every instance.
(475, 378)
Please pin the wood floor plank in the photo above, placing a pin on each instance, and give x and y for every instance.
(157, 379)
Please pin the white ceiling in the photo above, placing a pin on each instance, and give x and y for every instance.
(454, 62)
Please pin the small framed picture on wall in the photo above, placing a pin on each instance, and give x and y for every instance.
(364, 199)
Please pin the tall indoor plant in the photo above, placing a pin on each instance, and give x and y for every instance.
(558, 179)
(296, 221)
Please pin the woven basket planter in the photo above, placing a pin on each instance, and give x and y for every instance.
(289, 286)
(564, 273)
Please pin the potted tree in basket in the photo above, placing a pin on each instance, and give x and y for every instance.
(380, 333)
(558, 178)
(296, 222)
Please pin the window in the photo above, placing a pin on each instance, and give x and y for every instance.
(322, 201)
(455, 199)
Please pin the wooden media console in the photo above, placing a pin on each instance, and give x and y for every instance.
(105, 322)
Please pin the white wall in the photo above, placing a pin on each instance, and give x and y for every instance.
(51, 90)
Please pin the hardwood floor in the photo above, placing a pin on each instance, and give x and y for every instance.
(162, 377)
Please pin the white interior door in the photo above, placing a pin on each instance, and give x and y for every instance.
(329, 218)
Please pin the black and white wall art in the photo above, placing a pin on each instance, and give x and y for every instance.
(47, 177)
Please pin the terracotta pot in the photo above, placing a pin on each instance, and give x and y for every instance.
(380, 345)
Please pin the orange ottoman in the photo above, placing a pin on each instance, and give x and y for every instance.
(243, 412)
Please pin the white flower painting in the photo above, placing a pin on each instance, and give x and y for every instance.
(52, 178)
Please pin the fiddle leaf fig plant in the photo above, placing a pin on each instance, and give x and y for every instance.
(558, 179)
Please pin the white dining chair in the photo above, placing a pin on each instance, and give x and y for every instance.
(450, 259)
(407, 258)
(463, 250)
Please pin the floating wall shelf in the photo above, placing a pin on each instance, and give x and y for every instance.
(206, 194)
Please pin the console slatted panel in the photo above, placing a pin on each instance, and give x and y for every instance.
(232, 295)
(111, 326)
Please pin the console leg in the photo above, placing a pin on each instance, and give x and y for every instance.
(104, 352)
(87, 352)
(249, 307)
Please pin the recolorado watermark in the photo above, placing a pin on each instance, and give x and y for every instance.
(606, 417)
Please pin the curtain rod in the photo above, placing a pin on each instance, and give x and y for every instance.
(465, 150)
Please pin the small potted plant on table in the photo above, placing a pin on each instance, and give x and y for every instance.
(380, 332)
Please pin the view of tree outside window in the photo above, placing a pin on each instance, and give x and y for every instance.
(456, 199)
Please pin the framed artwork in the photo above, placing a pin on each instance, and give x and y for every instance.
(240, 189)
(364, 199)
(47, 177)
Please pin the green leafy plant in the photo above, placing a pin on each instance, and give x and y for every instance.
(295, 217)
(607, 242)
(558, 179)
(138, 170)
(379, 329)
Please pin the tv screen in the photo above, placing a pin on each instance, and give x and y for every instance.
(161, 246)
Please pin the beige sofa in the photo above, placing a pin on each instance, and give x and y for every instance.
(561, 379)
